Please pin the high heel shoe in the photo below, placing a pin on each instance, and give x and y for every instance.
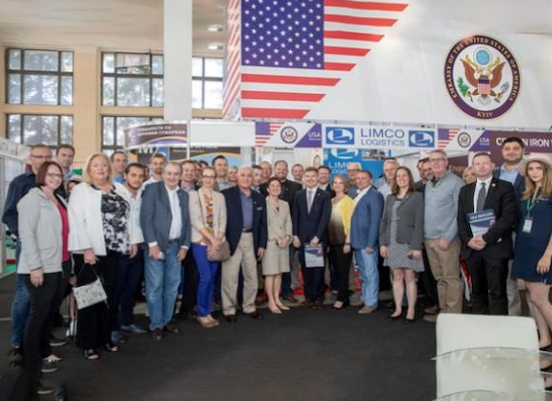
(111, 347)
(395, 317)
(276, 310)
(282, 307)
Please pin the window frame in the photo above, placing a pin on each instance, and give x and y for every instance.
(23, 72)
(203, 78)
(115, 76)
(22, 127)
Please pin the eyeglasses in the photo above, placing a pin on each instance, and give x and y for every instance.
(49, 157)
(54, 175)
(441, 159)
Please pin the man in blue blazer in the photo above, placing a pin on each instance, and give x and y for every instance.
(311, 212)
(165, 222)
(365, 224)
(246, 233)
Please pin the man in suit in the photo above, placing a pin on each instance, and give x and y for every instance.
(246, 233)
(165, 222)
(365, 224)
(487, 254)
(220, 163)
(311, 214)
(289, 189)
(352, 170)
(297, 171)
(324, 174)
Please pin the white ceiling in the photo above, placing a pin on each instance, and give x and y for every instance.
(105, 24)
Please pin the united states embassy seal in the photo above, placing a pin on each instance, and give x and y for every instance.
(289, 134)
(482, 77)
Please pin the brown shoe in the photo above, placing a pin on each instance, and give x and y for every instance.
(157, 334)
(292, 299)
(365, 310)
(358, 302)
(231, 318)
(316, 304)
(255, 315)
(206, 322)
(432, 310)
(307, 302)
(430, 318)
(172, 328)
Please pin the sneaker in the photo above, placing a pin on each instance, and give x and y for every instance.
(49, 366)
(57, 342)
(117, 337)
(133, 328)
(42, 389)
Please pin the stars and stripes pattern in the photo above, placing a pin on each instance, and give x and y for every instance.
(284, 56)
(445, 136)
(265, 131)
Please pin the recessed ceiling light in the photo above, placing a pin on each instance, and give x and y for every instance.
(216, 46)
(215, 28)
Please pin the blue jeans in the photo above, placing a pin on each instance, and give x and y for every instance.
(368, 265)
(207, 273)
(129, 273)
(21, 305)
(162, 281)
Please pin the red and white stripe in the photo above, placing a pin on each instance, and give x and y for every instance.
(351, 29)
(231, 89)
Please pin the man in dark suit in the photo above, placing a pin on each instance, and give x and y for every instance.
(246, 233)
(487, 253)
(165, 222)
(311, 214)
(289, 189)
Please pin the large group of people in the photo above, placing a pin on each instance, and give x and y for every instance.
(200, 235)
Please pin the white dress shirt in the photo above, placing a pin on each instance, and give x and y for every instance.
(478, 188)
(176, 223)
(361, 194)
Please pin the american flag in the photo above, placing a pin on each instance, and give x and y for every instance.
(445, 135)
(284, 56)
(265, 131)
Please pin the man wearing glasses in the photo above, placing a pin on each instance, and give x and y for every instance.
(18, 188)
(441, 233)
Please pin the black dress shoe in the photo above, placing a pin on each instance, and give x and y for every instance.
(255, 315)
(231, 318)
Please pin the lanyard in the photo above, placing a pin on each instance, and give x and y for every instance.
(531, 202)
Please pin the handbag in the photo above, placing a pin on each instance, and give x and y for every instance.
(90, 294)
(223, 253)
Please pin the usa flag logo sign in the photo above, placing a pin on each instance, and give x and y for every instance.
(285, 56)
(482, 77)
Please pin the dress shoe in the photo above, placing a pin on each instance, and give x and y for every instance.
(409, 321)
(317, 304)
(292, 299)
(261, 298)
(157, 335)
(395, 317)
(255, 315)
(307, 302)
(275, 310)
(432, 310)
(430, 318)
(231, 318)
(206, 323)
(358, 302)
(172, 328)
(282, 307)
(366, 310)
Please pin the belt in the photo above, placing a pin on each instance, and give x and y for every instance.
(248, 230)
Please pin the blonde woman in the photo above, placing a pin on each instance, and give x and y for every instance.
(340, 254)
(208, 220)
(99, 219)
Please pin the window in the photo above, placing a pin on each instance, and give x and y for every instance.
(113, 130)
(207, 83)
(43, 77)
(31, 129)
(132, 79)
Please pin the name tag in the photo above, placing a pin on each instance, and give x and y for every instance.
(527, 225)
(260, 208)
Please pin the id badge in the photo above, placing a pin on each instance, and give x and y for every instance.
(527, 225)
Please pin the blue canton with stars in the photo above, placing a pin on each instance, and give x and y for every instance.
(283, 33)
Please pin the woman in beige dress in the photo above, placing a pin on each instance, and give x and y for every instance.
(276, 257)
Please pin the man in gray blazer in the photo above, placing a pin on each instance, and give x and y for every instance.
(165, 222)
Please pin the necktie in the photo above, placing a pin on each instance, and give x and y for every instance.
(309, 201)
(481, 198)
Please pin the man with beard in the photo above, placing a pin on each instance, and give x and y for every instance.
(157, 164)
